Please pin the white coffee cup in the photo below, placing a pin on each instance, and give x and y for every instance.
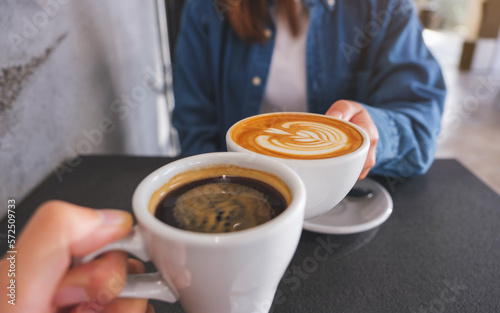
(327, 180)
(236, 272)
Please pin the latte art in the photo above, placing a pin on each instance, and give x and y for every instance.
(303, 138)
(296, 136)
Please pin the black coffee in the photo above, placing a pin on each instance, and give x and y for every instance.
(220, 204)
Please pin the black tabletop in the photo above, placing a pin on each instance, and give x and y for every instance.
(438, 252)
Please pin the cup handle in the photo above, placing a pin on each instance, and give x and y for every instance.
(149, 285)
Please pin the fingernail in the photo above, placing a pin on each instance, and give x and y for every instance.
(70, 296)
(113, 217)
(336, 114)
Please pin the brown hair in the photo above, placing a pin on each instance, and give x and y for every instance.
(250, 17)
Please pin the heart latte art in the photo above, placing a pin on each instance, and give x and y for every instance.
(296, 136)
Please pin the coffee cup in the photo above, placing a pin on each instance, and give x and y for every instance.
(214, 270)
(327, 153)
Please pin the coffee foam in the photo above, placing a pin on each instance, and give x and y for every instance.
(296, 136)
(221, 207)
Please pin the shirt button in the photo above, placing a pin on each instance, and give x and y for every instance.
(267, 33)
(256, 81)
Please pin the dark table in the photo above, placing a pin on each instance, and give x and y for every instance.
(438, 252)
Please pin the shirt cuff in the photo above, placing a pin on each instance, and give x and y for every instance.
(388, 143)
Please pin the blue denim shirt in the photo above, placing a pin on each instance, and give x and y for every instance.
(369, 51)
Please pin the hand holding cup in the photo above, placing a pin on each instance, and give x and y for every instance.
(326, 152)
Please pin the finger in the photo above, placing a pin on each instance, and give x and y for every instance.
(370, 161)
(355, 113)
(135, 266)
(127, 305)
(104, 300)
(55, 233)
(344, 109)
(364, 173)
(100, 280)
(150, 309)
(130, 305)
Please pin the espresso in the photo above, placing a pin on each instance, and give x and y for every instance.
(221, 203)
(296, 136)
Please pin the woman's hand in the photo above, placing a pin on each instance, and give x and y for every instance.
(44, 279)
(355, 113)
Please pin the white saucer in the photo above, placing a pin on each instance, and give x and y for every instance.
(353, 215)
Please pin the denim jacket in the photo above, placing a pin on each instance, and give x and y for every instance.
(369, 51)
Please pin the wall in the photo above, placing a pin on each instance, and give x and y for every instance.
(76, 78)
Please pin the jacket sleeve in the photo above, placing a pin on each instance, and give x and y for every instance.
(407, 94)
(194, 115)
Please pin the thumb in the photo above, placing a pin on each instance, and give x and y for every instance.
(344, 109)
(57, 232)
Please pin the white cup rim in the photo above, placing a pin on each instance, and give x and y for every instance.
(316, 162)
(145, 189)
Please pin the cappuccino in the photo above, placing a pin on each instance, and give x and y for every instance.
(296, 136)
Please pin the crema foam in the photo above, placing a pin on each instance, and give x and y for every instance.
(296, 136)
